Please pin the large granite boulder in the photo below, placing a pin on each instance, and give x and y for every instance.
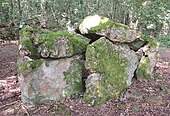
(44, 80)
(112, 68)
(116, 32)
(61, 44)
(50, 65)
(50, 44)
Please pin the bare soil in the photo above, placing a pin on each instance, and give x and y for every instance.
(142, 98)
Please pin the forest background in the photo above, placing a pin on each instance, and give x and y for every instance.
(151, 17)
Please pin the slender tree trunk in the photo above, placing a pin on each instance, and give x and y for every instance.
(19, 11)
(124, 13)
(11, 10)
(85, 8)
(132, 25)
(112, 10)
(43, 20)
(130, 19)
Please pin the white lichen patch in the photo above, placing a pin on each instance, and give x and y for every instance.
(91, 21)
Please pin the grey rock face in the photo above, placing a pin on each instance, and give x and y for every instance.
(112, 67)
(51, 63)
(49, 82)
(119, 35)
(132, 65)
(153, 54)
(148, 60)
(60, 48)
(105, 27)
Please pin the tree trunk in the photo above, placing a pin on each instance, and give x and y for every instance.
(131, 24)
(43, 20)
(20, 11)
(11, 11)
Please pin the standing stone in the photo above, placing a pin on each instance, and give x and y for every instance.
(112, 67)
(148, 61)
(42, 81)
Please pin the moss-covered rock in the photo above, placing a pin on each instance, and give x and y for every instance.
(102, 26)
(96, 22)
(46, 43)
(144, 68)
(148, 61)
(50, 79)
(60, 44)
(26, 41)
(112, 67)
(23, 67)
(152, 44)
(73, 78)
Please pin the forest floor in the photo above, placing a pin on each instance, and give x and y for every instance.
(143, 98)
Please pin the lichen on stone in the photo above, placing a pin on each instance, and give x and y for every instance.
(73, 78)
(105, 58)
(96, 22)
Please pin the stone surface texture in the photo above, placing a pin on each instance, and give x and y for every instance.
(112, 67)
(48, 81)
(97, 62)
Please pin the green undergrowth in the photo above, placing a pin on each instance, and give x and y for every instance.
(164, 40)
(58, 109)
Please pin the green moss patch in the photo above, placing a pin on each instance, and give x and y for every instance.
(29, 45)
(26, 39)
(143, 70)
(27, 31)
(73, 78)
(31, 38)
(29, 65)
(74, 43)
(105, 58)
(151, 42)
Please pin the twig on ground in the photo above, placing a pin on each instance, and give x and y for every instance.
(1, 107)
